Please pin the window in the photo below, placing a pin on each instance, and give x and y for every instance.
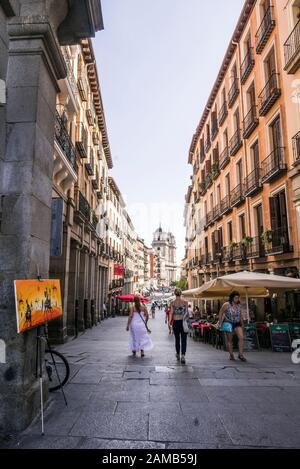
(218, 194)
(270, 65)
(236, 121)
(275, 134)
(227, 184)
(242, 226)
(255, 156)
(251, 97)
(229, 231)
(239, 172)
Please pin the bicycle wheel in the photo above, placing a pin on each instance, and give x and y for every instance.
(59, 376)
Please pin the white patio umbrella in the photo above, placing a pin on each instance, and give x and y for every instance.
(249, 284)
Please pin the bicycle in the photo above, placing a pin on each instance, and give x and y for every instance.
(57, 368)
(56, 365)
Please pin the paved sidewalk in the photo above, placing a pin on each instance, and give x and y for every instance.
(117, 401)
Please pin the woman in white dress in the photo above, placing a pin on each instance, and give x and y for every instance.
(139, 339)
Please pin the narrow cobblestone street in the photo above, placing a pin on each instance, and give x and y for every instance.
(117, 401)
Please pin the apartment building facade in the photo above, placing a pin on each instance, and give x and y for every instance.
(240, 211)
(82, 158)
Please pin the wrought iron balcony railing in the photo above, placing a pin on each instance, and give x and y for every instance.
(226, 205)
(233, 92)
(250, 122)
(253, 182)
(279, 242)
(237, 195)
(247, 65)
(224, 158)
(214, 129)
(236, 142)
(296, 148)
(223, 113)
(274, 165)
(292, 50)
(269, 94)
(265, 30)
(83, 206)
(82, 141)
(64, 141)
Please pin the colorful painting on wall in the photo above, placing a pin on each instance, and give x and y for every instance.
(37, 302)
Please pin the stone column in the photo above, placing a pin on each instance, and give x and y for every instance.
(72, 287)
(35, 64)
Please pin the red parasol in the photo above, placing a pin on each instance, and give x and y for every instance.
(130, 298)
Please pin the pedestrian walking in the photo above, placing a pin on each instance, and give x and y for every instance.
(231, 322)
(190, 311)
(139, 339)
(153, 310)
(178, 316)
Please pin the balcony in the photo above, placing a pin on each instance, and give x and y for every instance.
(64, 140)
(208, 220)
(269, 94)
(223, 113)
(217, 212)
(99, 195)
(256, 248)
(253, 183)
(89, 117)
(206, 259)
(95, 137)
(226, 205)
(238, 252)
(202, 188)
(207, 144)
(83, 207)
(89, 166)
(247, 65)
(237, 195)
(218, 256)
(215, 170)
(265, 30)
(273, 166)
(214, 129)
(81, 141)
(292, 51)
(208, 180)
(95, 182)
(235, 143)
(224, 158)
(227, 254)
(278, 242)
(83, 87)
(233, 93)
(250, 122)
(94, 220)
(296, 149)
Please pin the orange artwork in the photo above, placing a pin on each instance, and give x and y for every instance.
(37, 302)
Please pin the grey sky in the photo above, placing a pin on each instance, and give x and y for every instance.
(157, 61)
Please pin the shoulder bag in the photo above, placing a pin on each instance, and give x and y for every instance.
(147, 328)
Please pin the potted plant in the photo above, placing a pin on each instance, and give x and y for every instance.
(247, 241)
(266, 237)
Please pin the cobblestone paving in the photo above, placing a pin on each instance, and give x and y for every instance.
(117, 401)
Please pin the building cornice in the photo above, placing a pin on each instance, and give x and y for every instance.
(89, 57)
(243, 19)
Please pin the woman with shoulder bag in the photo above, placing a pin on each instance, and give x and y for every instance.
(231, 322)
(139, 339)
(178, 317)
